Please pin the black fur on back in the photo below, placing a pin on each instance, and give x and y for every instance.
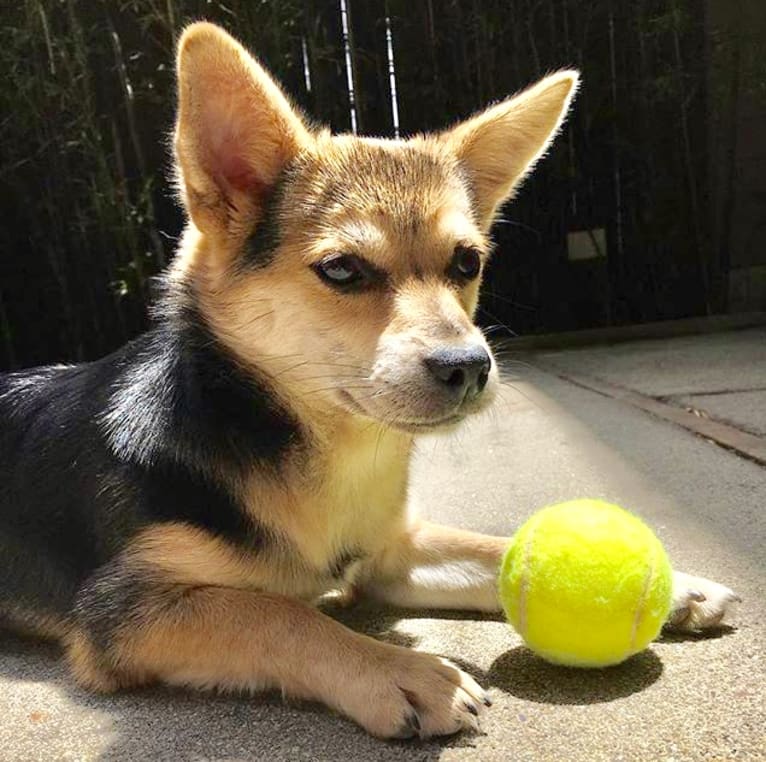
(91, 453)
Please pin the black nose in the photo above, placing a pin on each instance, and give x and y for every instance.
(464, 370)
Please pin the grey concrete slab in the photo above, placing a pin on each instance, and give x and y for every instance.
(545, 441)
(746, 410)
(728, 361)
(614, 334)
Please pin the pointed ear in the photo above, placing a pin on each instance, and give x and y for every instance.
(500, 146)
(235, 131)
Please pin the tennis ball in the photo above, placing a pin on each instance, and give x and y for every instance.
(586, 584)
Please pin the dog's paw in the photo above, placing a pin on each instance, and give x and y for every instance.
(699, 603)
(409, 694)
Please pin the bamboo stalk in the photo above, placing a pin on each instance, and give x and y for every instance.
(6, 333)
(691, 175)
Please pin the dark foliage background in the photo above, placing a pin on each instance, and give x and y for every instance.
(86, 105)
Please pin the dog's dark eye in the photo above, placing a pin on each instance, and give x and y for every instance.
(466, 264)
(343, 271)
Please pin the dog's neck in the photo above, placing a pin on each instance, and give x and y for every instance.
(231, 416)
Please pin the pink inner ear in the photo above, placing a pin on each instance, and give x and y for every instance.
(223, 129)
(230, 168)
(235, 171)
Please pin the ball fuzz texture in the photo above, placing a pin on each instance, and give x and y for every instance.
(586, 584)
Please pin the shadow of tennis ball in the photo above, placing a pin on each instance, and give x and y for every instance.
(525, 675)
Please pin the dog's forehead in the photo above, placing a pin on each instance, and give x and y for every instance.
(405, 184)
(402, 204)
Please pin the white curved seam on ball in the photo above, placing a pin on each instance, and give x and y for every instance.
(642, 600)
(524, 584)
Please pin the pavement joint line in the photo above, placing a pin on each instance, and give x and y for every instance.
(748, 445)
(711, 392)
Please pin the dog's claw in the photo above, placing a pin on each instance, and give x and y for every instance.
(678, 616)
(410, 726)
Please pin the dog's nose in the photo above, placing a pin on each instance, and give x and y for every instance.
(464, 370)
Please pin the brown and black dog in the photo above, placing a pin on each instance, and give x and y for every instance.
(171, 512)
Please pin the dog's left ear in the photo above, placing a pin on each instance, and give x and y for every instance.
(500, 146)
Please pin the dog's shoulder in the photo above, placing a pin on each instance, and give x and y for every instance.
(155, 433)
(184, 399)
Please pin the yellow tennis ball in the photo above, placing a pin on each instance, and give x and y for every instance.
(586, 584)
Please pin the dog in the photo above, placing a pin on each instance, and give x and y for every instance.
(171, 513)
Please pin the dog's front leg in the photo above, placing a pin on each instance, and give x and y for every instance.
(132, 627)
(434, 566)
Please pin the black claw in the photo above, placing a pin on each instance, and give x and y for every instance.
(410, 727)
(487, 700)
(679, 616)
(471, 708)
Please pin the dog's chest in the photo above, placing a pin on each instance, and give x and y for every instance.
(344, 508)
(359, 500)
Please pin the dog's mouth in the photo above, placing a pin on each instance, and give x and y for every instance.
(412, 426)
(416, 427)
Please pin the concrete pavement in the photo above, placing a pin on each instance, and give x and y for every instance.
(714, 385)
(546, 440)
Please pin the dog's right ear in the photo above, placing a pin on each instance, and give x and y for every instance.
(500, 146)
(235, 131)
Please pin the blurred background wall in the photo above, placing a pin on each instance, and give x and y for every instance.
(652, 205)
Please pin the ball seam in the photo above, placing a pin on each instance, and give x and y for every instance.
(642, 600)
(525, 577)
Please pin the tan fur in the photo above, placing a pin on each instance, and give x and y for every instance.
(89, 668)
(502, 144)
(199, 610)
(244, 641)
(351, 368)
(436, 566)
(289, 324)
(226, 164)
(402, 205)
(25, 621)
(325, 510)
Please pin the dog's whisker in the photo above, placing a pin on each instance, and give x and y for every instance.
(499, 322)
(338, 376)
(335, 387)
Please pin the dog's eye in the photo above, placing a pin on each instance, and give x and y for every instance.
(466, 263)
(342, 271)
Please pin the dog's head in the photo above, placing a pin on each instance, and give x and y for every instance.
(346, 268)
